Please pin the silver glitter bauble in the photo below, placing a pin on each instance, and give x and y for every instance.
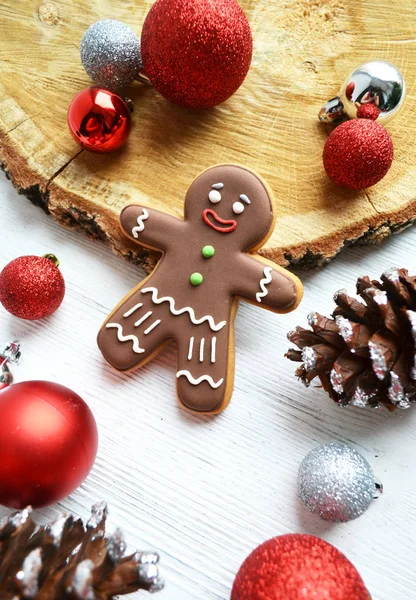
(336, 482)
(377, 82)
(110, 54)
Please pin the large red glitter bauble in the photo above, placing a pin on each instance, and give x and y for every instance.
(298, 567)
(99, 120)
(358, 154)
(48, 443)
(196, 53)
(31, 287)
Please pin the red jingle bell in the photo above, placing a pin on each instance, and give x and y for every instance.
(196, 53)
(99, 120)
(295, 567)
(48, 443)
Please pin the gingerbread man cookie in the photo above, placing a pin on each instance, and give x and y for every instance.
(192, 296)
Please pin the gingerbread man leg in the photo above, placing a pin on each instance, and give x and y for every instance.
(205, 374)
(134, 332)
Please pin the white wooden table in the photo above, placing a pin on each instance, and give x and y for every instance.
(204, 491)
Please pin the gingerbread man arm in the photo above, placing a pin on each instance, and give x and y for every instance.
(265, 284)
(150, 227)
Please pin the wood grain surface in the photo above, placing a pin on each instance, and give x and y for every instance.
(204, 491)
(303, 50)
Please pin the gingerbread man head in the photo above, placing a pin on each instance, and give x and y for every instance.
(232, 204)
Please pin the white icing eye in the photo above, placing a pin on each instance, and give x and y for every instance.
(238, 208)
(214, 196)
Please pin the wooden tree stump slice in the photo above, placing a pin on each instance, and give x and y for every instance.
(303, 50)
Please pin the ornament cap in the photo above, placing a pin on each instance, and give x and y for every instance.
(52, 258)
(12, 352)
(332, 111)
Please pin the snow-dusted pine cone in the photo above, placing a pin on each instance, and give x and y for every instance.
(366, 354)
(66, 561)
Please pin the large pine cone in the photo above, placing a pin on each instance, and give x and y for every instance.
(66, 561)
(366, 354)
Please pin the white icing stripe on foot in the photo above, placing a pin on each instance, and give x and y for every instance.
(191, 348)
(213, 349)
(143, 318)
(207, 378)
(140, 225)
(126, 338)
(187, 309)
(132, 310)
(263, 282)
(201, 350)
(152, 326)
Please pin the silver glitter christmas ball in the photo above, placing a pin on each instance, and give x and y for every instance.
(336, 482)
(110, 54)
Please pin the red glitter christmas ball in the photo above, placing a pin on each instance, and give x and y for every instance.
(196, 53)
(358, 154)
(298, 567)
(99, 120)
(31, 287)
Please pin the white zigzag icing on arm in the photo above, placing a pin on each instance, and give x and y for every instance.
(263, 282)
(140, 225)
(208, 378)
(214, 326)
(126, 338)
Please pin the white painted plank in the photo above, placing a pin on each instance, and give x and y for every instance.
(204, 491)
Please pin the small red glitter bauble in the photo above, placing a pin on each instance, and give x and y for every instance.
(99, 120)
(31, 287)
(358, 154)
(196, 53)
(48, 443)
(368, 111)
(298, 567)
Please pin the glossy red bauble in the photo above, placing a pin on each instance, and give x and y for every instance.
(358, 154)
(298, 567)
(196, 53)
(99, 120)
(31, 287)
(48, 443)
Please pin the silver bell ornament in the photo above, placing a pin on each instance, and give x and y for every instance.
(375, 82)
(11, 354)
(337, 483)
(110, 54)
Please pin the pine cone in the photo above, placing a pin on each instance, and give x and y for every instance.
(66, 561)
(366, 354)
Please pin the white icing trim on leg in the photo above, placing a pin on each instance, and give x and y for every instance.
(191, 348)
(126, 338)
(213, 349)
(154, 291)
(201, 350)
(152, 326)
(143, 318)
(132, 310)
(193, 381)
(263, 282)
(140, 225)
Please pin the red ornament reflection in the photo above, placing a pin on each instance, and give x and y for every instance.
(99, 120)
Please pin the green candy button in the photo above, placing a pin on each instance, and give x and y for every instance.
(196, 279)
(208, 251)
